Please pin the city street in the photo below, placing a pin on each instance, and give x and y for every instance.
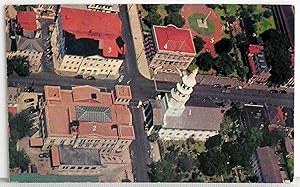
(139, 148)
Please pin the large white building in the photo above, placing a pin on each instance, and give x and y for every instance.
(176, 117)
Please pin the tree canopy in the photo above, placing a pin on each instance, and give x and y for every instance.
(150, 7)
(20, 125)
(214, 141)
(153, 18)
(173, 8)
(224, 64)
(175, 19)
(199, 43)
(205, 61)
(277, 56)
(18, 64)
(223, 46)
(162, 171)
(213, 162)
(17, 159)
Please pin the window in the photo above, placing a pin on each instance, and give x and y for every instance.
(185, 134)
(177, 134)
(73, 167)
(93, 167)
(170, 133)
(65, 67)
(86, 167)
(52, 141)
(79, 168)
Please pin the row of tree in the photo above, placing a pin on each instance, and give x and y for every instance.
(19, 126)
(19, 65)
(173, 17)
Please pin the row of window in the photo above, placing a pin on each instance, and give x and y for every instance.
(185, 134)
(79, 167)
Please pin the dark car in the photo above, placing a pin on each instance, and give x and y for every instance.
(273, 91)
(228, 86)
(44, 155)
(28, 89)
(78, 77)
(217, 86)
(90, 78)
(29, 100)
(282, 92)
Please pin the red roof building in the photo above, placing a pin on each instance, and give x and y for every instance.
(170, 48)
(12, 110)
(171, 38)
(97, 114)
(27, 20)
(101, 26)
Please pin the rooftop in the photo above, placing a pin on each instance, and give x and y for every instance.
(71, 156)
(257, 59)
(255, 115)
(276, 115)
(29, 44)
(79, 23)
(171, 38)
(123, 91)
(90, 107)
(268, 165)
(12, 110)
(196, 118)
(27, 20)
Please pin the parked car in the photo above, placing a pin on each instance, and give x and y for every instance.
(238, 87)
(90, 78)
(44, 155)
(48, 49)
(226, 91)
(48, 56)
(273, 91)
(282, 92)
(28, 100)
(78, 77)
(217, 86)
(28, 89)
(227, 86)
(121, 78)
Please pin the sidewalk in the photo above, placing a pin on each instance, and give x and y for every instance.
(138, 41)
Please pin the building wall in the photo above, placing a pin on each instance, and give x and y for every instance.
(60, 38)
(170, 59)
(119, 101)
(89, 66)
(80, 168)
(50, 141)
(178, 134)
(34, 58)
(104, 8)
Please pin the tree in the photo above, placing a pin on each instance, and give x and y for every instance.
(245, 14)
(213, 162)
(267, 14)
(174, 19)
(251, 8)
(205, 61)
(20, 125)
(150, 7)
(199, 43)
(173, 8)
(162, 171)
(242, 71)
(214, 141)
(230, 19)
(272, 138)
(223, 46)
(153, 18)
(19, 64)
(212, 6)
(185, 163)
(224, 64)
(17, 159)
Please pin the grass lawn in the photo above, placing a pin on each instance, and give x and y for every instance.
(202, 31)
(234, 75)
(220, 13)
(232, 9)
(264, 24)
(290, 166)
(33, 178)
(145, 27)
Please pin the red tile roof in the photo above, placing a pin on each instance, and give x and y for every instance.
(102, 26)
(12, 110)
(27, 20)
(253, 49)
(171, 38)
(36, 142)
(55, 160)
(97, 129)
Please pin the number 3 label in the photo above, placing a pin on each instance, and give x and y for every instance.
(109, 50)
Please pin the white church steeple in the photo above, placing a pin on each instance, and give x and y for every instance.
(180, 94)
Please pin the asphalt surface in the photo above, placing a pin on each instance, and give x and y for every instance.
(143, 89)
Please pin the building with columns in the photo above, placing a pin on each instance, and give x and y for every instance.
(178, 116)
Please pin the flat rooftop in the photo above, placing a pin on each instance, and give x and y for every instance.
(255, 115)
(71, 156)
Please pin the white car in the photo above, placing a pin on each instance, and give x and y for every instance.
(121, 78)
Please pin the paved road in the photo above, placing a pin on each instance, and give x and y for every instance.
(139, 148)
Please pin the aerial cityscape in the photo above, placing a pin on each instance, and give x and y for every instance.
(150, 93)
